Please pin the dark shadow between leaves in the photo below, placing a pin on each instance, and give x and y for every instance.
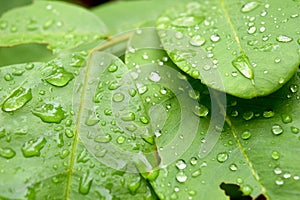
(234, 192)
(24, 53)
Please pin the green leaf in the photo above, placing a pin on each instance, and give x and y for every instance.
(252, 47)
(52, 23)
(10, 4)
(257, 150)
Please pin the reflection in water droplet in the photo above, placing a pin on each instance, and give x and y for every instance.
(59, 77)
(33, 147)
(277, 129)
(181, 177)
(51, 113)
(243, 65)
(222, 157)
(284, 39)
(7, 152)
(249, 6)
(17, 99)
(197, 40)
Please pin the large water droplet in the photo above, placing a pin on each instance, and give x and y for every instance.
(85, 183)
(277, 129)
(249, 6)
(17, 99)
(7, 152)
(59, 77)
(51, 113)
(243, 65)
(222, 157)
(197, 40)
(284, 39)
(33, 147)
(187, 21)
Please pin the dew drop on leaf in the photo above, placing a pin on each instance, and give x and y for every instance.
(246, 189)
(8, 77)
(286, 118)
(233, 167)
(295, 130)
(294, 88)
(33, 147)
(187, 21)
(134, 185)
(77, 60)
(248, 115)
(200, 110)
(181, 177)
(154, 76)
(112, 68)
(242, 64)
(118, 97)
(214, 37)
(59, 77)
(268, 114)
(277, 170)
(85, 183)
(17, 99)
(50, 113)
(246, 135)
(277, 129)
(196, 173)
(180, 164)
(197, 40)
(222, 157)
(284, 39)
(103, 138)
(249, 6)
(121, 139)
(7, 153)
(275, 155)
(194, 161)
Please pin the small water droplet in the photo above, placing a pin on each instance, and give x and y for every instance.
(128, 116)
(277, 60)
(196, 173)
(144, 120)
(286, 118)
(187, 21)
(246, 189)
(103, 138)
(17, 99)
(243, 65)
(233, 167)
(59, 77)
(118, 97)
(277, 129)
(134, 185)
(287, 175)
(180, 164)
(248, 115)
(194, 161)
(275, 155)
(197, 40)
(294, 88)
(142, 89)
(279, 181)
(251, 30)
(249, 6)
(7, 153)
(33, 147)
(77, 60)
(268, 114)
(51, 113)
(222, 157)
(284, 38)
(85, 183)
(246, 135)
(8, 77)
(295, 130)
(154, 76)
(200, 110)
(277, 170)
(215, 37)
(121, 139)
(181, 177)
(112, 68)
(48, 24)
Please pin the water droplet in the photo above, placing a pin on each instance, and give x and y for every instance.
(286, 118)
(180, 164)
(178, 35)
(246, 189)
(154, 76)
(8, 77)
(277, 129)
(134, 185)
(17, 99)
(294, 88)
(77, 60)
(121, 139)
(195, 74)
(64, 153)
(194, 161)
(69, 133)
(215, 37)
(142, 89)
(246, 135)
(243, 65)
(112, 68)
(33, 147)
(222, 157)
(128, 117)
(187, 21)
(118, 97)
(85, 183)
(59, 77)
(233, 167)
(251, 30)
(51, 113)
(48, 24)
(7, 152)
(103, 138)
(287, 175)
(144, 120)
(279, 181)
(275, 155)
(196, 173)
(181, 177)
(200, 110)
(249, 6)
(295, 130)
(284, 39)
(281, 81)
(197, 40)
(268, 114)
(248, 115)
(277, 170)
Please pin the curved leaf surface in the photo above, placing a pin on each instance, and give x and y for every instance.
(253, 46)
(53, 23)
